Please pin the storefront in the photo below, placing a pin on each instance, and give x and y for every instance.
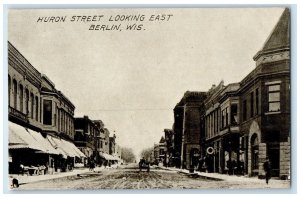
(32, 150)
(108, 160)
(68, 153)
(29, 149)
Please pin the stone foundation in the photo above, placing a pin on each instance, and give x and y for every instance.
(285, 160)
(262, 154)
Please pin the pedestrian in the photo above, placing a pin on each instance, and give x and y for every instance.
(91, 165)
(267, 169)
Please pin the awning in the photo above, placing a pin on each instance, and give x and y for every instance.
(44, 141)
(107, 156)
(20, 137)
(74, 149)
(65, 148)
(56, 143)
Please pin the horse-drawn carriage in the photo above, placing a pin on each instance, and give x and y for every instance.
(144, 165)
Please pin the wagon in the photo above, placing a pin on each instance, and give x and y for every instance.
(144, 165)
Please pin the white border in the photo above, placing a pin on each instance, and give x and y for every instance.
(160, 3)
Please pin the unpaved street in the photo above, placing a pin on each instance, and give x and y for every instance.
(131, 178)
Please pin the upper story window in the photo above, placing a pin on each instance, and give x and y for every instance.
(225, 117)
(27, 102)
(47, 112)
(21, 97)
(9, 87)
(252, 104)
(32, 105)
(274, 98)
(161, 152)
(244, 110)
(257, 101)
(15, 86)
(234, 114)
(36, 108)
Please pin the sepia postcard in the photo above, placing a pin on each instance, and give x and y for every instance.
(149, 98)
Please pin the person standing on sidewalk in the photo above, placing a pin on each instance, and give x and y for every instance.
(267, 169)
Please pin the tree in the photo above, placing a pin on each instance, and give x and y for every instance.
(127, 155)
(147, 154)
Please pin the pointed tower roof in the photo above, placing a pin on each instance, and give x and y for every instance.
(279, 37)
(162, 139)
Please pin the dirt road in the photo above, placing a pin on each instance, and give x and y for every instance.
(131, 178)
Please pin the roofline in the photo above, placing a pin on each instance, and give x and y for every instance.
(259, 53)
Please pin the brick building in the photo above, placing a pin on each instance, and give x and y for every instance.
(235, 127)
(85, 135)
(265, 104)
(41, 127)
(169, 138)
(247, 121)
(187, 128)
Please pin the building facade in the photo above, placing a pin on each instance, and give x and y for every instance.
(233, 128)
(37, 137)
(85, 137)
(188, 128)
(248, 121)
(112, 145)
(265, 101)
(169, 138)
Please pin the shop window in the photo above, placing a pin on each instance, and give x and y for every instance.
(47, 112)
(21, 97)
(234, 115)
(274, 98)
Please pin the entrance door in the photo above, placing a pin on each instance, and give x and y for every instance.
(274, 156)
(254, 154)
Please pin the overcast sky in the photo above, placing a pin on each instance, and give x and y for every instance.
(132, 80)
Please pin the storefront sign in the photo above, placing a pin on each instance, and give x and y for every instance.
(17, 114)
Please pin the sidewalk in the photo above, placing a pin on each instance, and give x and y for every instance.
(24, 179)
(220, 177)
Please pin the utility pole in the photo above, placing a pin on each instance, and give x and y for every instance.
(182, 141)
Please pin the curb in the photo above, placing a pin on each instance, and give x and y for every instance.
(196, 175)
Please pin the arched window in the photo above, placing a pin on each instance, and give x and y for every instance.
(27, 102)
(32, 105)
(21, 97)
(15, 93)
(36, 108)
(9, 87)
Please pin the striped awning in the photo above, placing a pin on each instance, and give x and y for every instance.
(44, 141)
(107, 156)
(65, 148)
(20, 137)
